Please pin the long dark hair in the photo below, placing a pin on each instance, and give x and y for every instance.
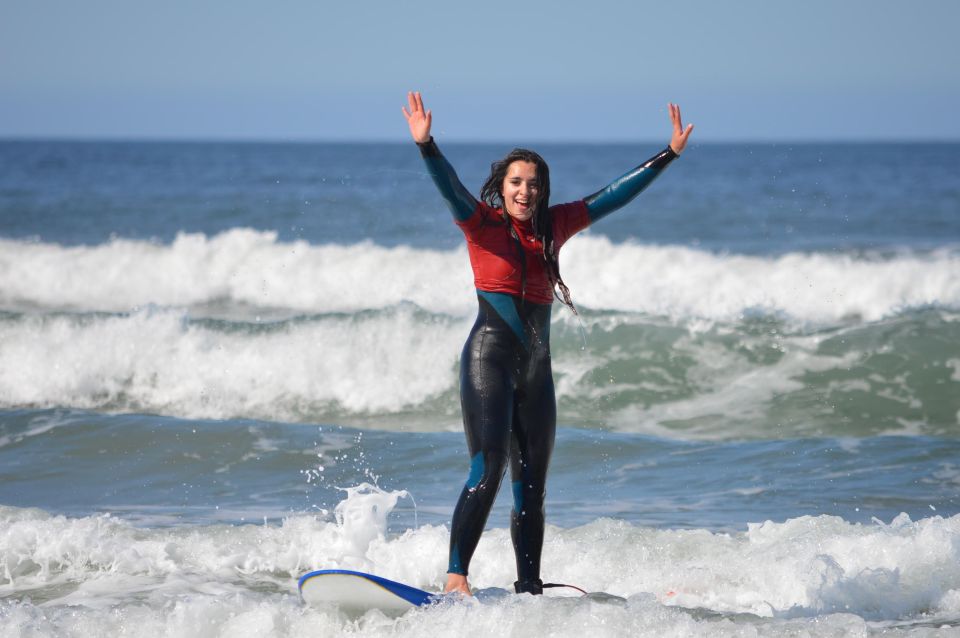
(492, 193)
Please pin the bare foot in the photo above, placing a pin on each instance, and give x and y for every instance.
(457, 583)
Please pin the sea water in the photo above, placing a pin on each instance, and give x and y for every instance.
(225, 365)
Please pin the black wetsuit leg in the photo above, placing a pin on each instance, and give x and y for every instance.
(488, 370)
(534, 431)
(509, 413)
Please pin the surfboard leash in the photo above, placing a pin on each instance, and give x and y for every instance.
(546, 585)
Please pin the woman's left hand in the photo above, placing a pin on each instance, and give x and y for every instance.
(418, 118)
(680, 135)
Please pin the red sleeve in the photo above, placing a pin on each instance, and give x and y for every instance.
(568, 220)
(472, 223)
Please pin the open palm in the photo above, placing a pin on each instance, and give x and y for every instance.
(680, 134)
(418, 118)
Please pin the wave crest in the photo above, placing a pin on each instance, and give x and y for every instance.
(244, 272)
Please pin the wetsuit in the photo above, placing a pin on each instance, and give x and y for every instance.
(506, 382)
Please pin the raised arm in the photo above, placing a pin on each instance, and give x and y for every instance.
(622, 191)
(459, 200)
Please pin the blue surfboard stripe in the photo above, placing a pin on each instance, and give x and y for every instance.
(410, 594)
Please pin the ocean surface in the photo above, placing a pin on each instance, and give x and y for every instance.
(223, 365)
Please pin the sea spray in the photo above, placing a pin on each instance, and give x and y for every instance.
(362, 516)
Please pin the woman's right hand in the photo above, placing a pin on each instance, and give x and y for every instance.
(418, 119)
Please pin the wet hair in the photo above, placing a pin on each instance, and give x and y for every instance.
(492, 193)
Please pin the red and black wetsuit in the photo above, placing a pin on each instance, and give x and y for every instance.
(506, 382)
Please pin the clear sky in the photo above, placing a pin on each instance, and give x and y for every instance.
(491, 70)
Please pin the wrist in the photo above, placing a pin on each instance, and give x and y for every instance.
(428, 148)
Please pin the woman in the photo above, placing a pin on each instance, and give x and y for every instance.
(506, 384)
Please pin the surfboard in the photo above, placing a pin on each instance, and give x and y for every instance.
(360, 591)
(355, 591)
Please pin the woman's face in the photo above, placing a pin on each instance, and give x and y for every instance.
(520, 190)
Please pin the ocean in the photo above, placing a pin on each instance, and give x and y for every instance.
(223, 365)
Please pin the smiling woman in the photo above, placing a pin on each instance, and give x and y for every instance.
(507, 394)
(521, 187)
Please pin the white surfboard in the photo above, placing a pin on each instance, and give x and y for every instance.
(360, 591)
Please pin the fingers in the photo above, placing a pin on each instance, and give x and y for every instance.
(675, 117)
(680, 134)
(680, 139)
(418, 118)
(415, 102)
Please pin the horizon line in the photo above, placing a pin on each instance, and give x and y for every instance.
(146, 139)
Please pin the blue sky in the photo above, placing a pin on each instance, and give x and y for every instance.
(594, 70)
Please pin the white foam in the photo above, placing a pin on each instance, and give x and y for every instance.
(363, 349)
(681, 282)
(808, 576)
(398, 368)
(243, 268)
(243, 615)
(156, 361)
(801, 568)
